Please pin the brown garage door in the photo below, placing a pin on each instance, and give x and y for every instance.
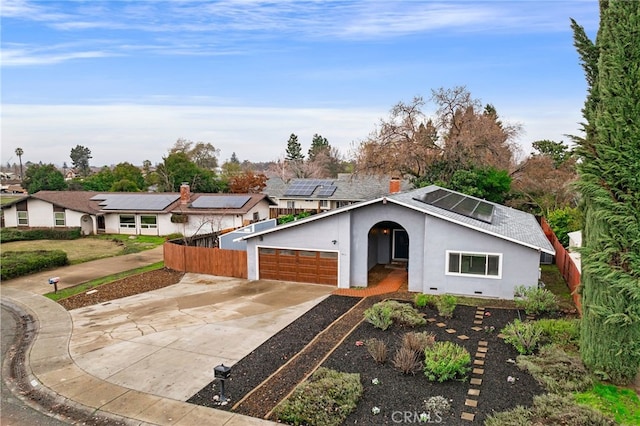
(319, 267)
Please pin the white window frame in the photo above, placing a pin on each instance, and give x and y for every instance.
(461, 253)
(291, 204)
(59, 219)
(324, 204)
(149, 225)
(127, 225)
(23, 218)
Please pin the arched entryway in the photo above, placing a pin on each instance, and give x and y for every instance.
(388, 250)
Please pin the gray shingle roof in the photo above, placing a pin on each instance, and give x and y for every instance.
(508, 223)
(349, 188)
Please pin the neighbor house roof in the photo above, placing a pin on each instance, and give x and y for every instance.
(507, 223)
(92, 202)
(346, 186)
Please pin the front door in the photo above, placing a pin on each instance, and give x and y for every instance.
(400, 244)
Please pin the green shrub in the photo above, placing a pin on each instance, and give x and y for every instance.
(8, 235)
(550, 409)
(557, 371)
(446, 304)
(385, 313)
(379, 315)
(446, 361)
(326, 398)
(563, 221)
(535, 300)
(524, 336)
(377, 349)
(16, 264)
(561, 332)
(421, 300)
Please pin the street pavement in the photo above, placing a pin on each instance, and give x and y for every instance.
(139, 358)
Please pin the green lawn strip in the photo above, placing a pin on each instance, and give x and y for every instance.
(621, 403)
(134, 243)
(80, 288)
(555, 283)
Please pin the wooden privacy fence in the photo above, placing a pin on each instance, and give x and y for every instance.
(565, 264)
(202, 260)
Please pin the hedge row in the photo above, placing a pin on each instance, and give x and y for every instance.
(19, 263)
(8, 235)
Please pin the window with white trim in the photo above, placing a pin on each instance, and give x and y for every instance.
(324, 204)
(23, 218)
(149, 222)
(291, 204)
(127, 221)
(477, 264)
(59, 219)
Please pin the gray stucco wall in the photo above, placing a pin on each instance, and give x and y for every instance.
(520, 265)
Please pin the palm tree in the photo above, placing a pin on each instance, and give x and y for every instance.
(19, 153)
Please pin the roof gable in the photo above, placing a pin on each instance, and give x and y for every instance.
(507, 223)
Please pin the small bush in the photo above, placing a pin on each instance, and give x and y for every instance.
(326, 398)
(418, 342)
(16, 264)
(557, 371)
(379, 316)
(524, 336)
(437, 404)
(550, 409)
(534, 300)
(377, 349)
(421, 300)
(8, 235)
(446, 304)
(446, 361)
(561, 332)
(385, 313)
(406, 360)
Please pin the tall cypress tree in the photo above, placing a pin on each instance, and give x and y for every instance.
(294, 149)
(610, 187)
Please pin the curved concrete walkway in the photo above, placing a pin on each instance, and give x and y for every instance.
(94, 359)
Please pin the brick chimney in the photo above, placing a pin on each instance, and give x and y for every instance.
(185, 193)
(394, 185)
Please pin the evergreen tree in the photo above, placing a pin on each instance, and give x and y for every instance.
(44, 177)
(319, 145)
(294, 149)
(610, 189)
(80, 156)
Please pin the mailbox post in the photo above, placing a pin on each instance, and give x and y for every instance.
(221, 372)
(54, 281)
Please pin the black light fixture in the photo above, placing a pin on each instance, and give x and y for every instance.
(222, 372)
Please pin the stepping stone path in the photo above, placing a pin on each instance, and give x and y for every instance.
(475, 384)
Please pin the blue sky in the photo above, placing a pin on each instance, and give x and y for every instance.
(128, 78)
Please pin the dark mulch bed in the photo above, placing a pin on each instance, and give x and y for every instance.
(124, 287)
(396, 394)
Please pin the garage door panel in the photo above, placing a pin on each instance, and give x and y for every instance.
(298, 265)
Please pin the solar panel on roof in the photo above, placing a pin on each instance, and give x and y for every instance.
(306, 187)
(220, 201)
(327, 191)
(133, 201)
(458, 203)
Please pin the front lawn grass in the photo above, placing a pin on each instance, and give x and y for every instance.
(554, 282)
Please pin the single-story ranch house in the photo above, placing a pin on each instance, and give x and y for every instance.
(449, 242)
(137, 213)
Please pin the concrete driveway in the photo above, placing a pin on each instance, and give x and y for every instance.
(166, 342)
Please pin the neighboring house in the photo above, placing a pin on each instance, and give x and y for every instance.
(318, 195)
(575, 242)
(449, 243)
(233, 240)
(137, 213)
